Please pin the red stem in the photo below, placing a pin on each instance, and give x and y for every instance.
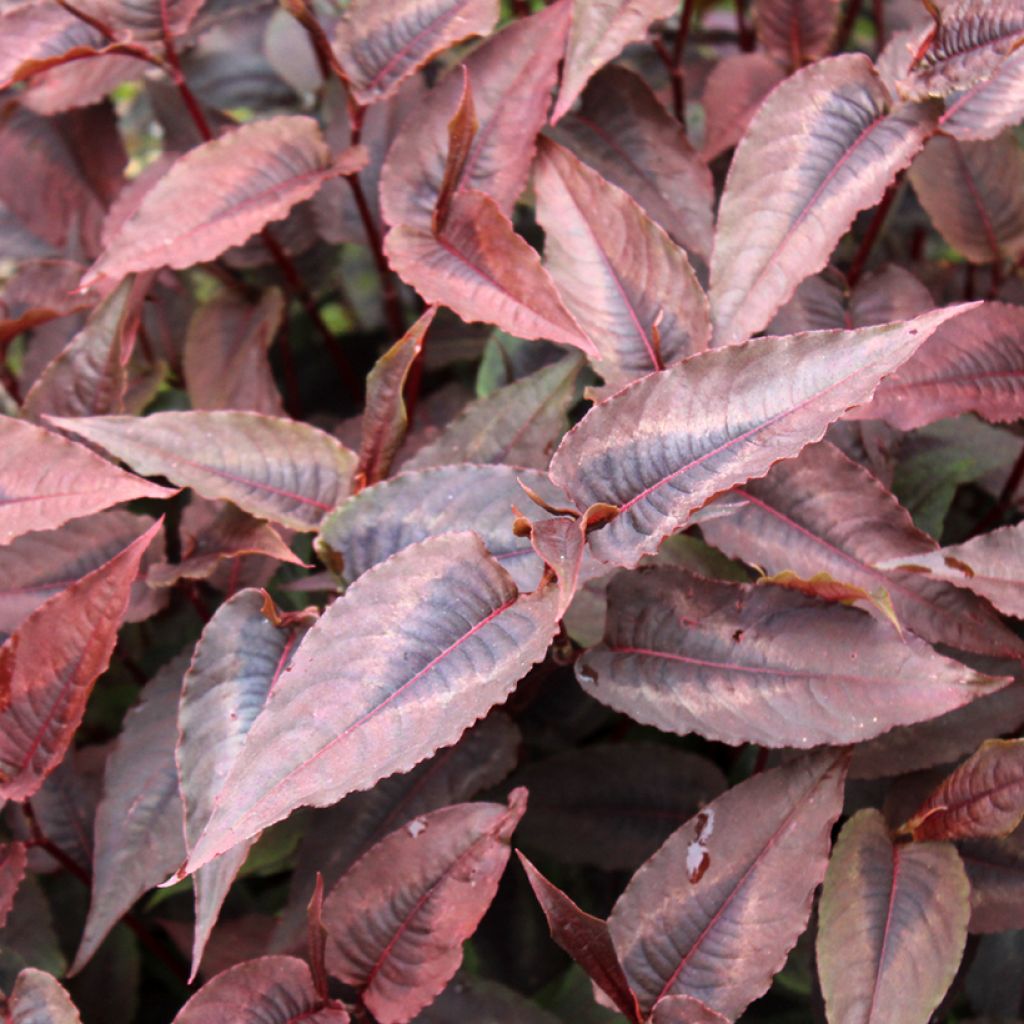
(871, 235)
(879, 13)
(746, 36)
(846, 28)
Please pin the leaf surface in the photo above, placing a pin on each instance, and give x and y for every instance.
(990, 105)
(718, 419)
(736, 87)
(274, 468)
(39, 998)
(414, 653)
(796, 31)
(49, 664)
(995, 868)
(692, 922)
(145, 20)
(892, 925)
(13, 859)
(820, 149)
(397, 920)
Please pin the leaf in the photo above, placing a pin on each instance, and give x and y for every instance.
(13, 859)
(481, 269)
(239, 658)
(796, 31)
(716, 420)
(585, 938)
(624, 133)
(386, 518)
(972, 39)
(385, 418)
(892, 925)
(145, 20)
(379, 45)
(819, 150)
(138, 832)
(613, 804)
(58, 481)
(512, 75)
(270, 989)
(415, 651)
(600, 30)
(274, 468)
(519, 424)
(225, 362)
(983, 797)
(220, 193)
(627, 284)
(736, 87)
(39, 998)
(40, 291)
(824, 513)
(397, 921)
(990, 105)
(751, 664)
(995, 868)
(692, 922)
(471, 998)
(49, 665)
(684, 1010)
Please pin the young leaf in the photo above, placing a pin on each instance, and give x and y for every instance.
(990, 105)
(995, 868)
(718, 419)
(627, 136)
(600, 29)
(692, 921)
(46, 480)
(796, 31)
(39, 998)
(628, 285)
(823, 512)
(397, 920)
(821, 149)
(270, 989)
(379, 44)
(735, 88)
(49, 665)
(415, 651)
(983, 797)
(274, 468)
(892, 925)
(751, 664)
(236, 663)
(220, 193)
(13, 859)
(139, 839)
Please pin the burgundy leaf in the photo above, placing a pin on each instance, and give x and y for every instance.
(470, 998)
(692, 920)
(237, 661)
(146, 20)
(40, 291)
(983, 797)
(225, 355)
(39, 998)
(270, 989)
(824, 513)
(397, 920)
(220, 193)
(600, 30)
(81, 83)
(821, 149)
(995, 868)
(48, 667)
(892, 925)
(291, 473)
(796, 31)
(379, 43)
(479, 267)
(519, 424)
(624, 133)
(735, 88)
(613, 804)
(752, 664)
(718, 419)
(990, 105)
(685, 1010)
(13, 859)
(586, 939)
(512, 75)
(385, 418)
(440, 650)
(628, 285)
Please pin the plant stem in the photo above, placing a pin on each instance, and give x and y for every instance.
(872, 233)
(746, 36)
(878, 7)
(853, 9)
(1005, 499)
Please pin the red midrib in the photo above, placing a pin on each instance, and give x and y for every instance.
(400, 54)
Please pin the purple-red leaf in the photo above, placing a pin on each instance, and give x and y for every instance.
(416, 651)
(821, 149)
(275, 468)
(46, 480)
(13, 859)
(146, 20)
(796, 31)
(892, 925)
(995, 868)
(270, 989)
(718, 419)
(585, 938)
(379, 43)
(220, 193)
(38, 998)
(735, 88)
(470, 998)
(685, 1010)
(989, 106)
(39, 291)
(397, 920)
(693, 919)
(48, 667)
(628, 285)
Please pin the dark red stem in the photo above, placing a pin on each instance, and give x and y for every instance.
(743, 30)
(871, 235)
(1005, 499)
(879, 14)
(853, 9)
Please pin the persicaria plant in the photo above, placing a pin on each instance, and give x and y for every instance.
(437, 426)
